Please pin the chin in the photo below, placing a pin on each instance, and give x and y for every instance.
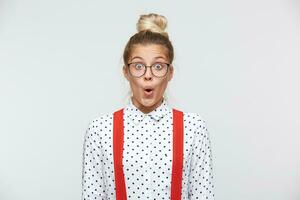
(148, 101)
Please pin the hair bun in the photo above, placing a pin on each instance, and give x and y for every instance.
(153, 22)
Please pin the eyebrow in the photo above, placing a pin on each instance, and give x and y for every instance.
(142, 58)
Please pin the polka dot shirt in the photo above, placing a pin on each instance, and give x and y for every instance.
(147, 156)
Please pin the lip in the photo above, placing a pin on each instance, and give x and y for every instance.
(148, 93)
(148, 87)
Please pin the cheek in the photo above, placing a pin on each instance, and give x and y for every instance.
(162, 86)
(135, 86)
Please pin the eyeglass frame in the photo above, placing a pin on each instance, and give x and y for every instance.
(150, 66)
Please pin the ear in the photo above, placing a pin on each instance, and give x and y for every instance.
(125, 72)
(171, 72)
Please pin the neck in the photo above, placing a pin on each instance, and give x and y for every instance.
(146, 109)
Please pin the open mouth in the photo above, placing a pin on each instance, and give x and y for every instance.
(148, 91)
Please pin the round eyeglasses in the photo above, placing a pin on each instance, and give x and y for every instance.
(158, 69)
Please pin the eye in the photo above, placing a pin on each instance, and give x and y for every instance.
(138, 66)
(158, 66)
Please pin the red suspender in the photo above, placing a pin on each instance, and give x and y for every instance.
(177, 155)
(118, 136)
(177, 162)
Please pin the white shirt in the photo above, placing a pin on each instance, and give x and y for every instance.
(147, 156)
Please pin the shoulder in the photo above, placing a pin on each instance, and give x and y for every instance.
(195, 125)
(99, 124)
(101, 119)
(195, 119)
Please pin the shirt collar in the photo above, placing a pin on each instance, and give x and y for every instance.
(137, 115)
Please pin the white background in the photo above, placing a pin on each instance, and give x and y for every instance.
(236, 63)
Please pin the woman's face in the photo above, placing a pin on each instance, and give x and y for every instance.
(148, 55)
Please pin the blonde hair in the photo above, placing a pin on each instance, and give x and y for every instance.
(153, 22)
(151, 29)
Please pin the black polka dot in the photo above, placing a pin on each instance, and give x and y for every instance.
(147, 156)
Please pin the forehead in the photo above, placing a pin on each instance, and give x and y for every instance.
(148, 52)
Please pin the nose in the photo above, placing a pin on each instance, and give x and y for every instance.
(148, 74)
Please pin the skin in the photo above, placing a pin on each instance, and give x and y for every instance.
(148, 54)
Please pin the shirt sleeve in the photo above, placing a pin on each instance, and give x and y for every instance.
(201, 183)
(93, 187)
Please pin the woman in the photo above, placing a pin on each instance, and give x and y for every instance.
(147, 150)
